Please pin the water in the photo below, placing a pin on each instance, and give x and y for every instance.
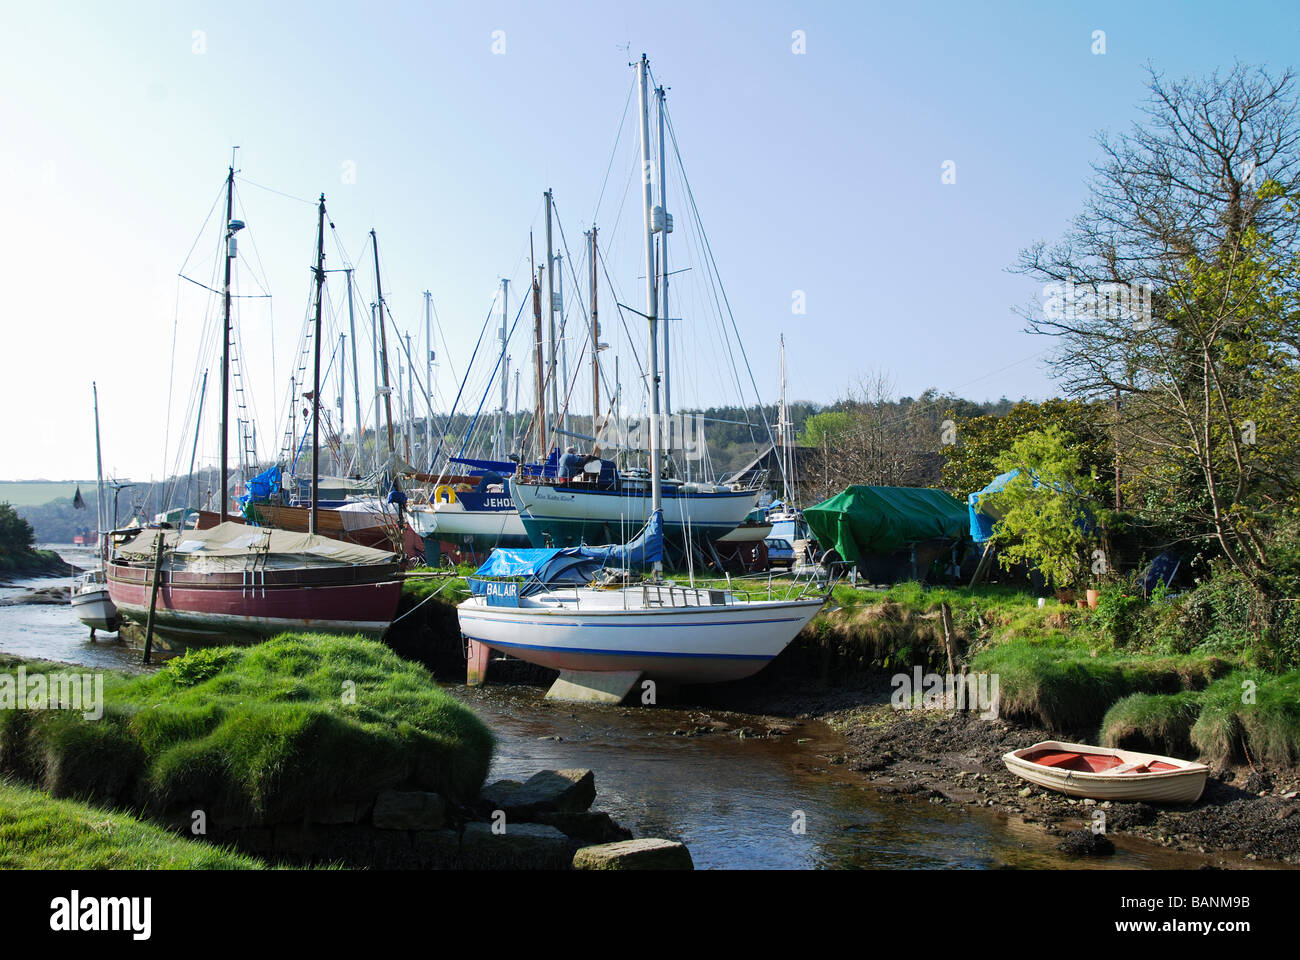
(52, 631)
(732, 800)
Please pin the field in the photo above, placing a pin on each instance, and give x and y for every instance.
(36, 493)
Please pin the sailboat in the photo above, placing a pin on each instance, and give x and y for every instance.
(90, 598)
(546, 606)
(237, 582)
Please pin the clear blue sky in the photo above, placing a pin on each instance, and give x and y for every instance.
(818, 172)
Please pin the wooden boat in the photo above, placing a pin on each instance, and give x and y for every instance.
(1101, 773)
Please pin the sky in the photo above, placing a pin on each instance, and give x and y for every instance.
(815, 139)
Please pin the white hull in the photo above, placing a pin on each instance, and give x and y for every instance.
(747, 533)
(585, 629)
(1183, 784)
(559, 508)
(452, 520)
(95, 609)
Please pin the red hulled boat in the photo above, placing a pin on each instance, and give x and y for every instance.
(236, 582)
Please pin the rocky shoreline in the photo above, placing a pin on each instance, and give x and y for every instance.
(955, 758)
(38, 563)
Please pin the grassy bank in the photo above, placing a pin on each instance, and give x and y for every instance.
(38, 832)
(254, 735)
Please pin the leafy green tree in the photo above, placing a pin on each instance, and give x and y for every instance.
(15, 533)
(1048, 513)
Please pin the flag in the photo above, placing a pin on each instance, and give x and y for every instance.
(77, 501)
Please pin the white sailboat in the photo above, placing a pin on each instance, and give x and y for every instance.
(90, 600)
(541, 605)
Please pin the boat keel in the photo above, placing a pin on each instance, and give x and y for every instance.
(594, 686)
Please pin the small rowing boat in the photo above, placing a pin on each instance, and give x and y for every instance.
(1101, 773)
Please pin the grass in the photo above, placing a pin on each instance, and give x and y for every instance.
(260, 734)
(1153, 723)
(38, 832)
(1232, 728)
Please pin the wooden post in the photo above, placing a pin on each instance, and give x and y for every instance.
(153, 597)
(949, 641)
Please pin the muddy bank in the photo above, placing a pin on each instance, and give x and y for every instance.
(956, 758)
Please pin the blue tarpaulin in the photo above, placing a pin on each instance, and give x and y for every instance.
(541, 568)
(981, 521)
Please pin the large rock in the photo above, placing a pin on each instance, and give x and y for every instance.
(550, 791)
(591, 827)
(409, 810)
(523, 846)
(647, 853)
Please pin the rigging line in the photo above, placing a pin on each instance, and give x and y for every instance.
(263, 283)
(233, 296)
(199, 237)
(709, 249)
(614, 149)
(310, 203)
(456, 402)
(582, 306)
(621, 314)
(495, 368)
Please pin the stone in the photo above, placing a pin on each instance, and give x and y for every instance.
(1085, 843)
(549, 791)
(590, 827)
(648, 853)
(409, 810)
(523, 846)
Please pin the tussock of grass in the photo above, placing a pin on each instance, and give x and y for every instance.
(38, 832)
(1153, 723)
(1267, 730)
(257, 734)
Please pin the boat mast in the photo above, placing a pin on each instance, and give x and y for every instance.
(225, 346)
(356, 386)
(315, 397)
(374, 343)
(410, 400)
(564, 348)
(383, 346)
(550, 313)
(664, 228)
(595, 339)
(343, 383)
(652, 308)
(198, 428)
(428, 375)
(782, 433)
(99, 480)
(539, 381)
(505, 376)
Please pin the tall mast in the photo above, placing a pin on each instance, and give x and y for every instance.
(652, 307)
(343, 383)
(225, 346)
(198, 429)
(383, 346)
(99, 480)
(595, 339)
(781, 432)
(428, 374)
(505, 376)
(564, 347)
(539, 380)
(356, 386)
(550, 313)
(315, 397)
(374, 342)
(665, 226)
(410, 400)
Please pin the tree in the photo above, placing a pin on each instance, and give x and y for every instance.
(1048, 513)
(970, 461)
(1176, 292)
(15, 533)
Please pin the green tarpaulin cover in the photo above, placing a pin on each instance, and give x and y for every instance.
(863, 521)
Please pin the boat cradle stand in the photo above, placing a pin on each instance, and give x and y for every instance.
(594, 686)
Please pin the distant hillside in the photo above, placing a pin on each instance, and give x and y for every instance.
(34, 493)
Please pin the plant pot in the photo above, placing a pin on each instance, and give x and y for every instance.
(1065, 597)
(1081, 603)
(1093, 597)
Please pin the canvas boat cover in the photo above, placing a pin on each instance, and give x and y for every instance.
(234, 546)
(983, 517)
(542, 568)
(865, 521)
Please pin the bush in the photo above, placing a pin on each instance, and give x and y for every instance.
(1120, 613)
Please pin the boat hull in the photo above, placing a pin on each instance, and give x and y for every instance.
(95, 608)
(1182, 783)
(454, 522)
(566, 515)
(677, 644)
(231, 608)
